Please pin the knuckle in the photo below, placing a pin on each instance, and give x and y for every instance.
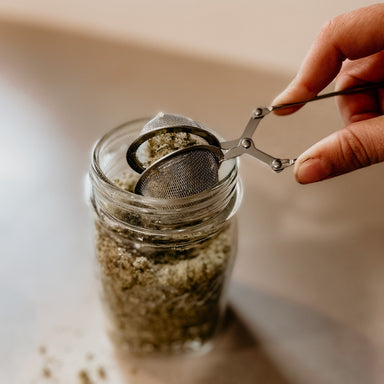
(328, 27)
(355, 152)
(331, 35)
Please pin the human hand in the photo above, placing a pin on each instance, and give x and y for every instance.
(350, 49)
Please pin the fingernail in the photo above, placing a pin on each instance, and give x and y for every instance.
(280, 99)
(312, 170)
(281, 96)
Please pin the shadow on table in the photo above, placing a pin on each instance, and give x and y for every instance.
(273, 340)
(237, 357)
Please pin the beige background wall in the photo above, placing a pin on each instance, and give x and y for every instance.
(253, 32)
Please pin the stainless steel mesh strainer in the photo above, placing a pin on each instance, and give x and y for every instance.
(194, 136)
(194, 168)
(167, 120)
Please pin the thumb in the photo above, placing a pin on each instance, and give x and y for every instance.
(358, 145)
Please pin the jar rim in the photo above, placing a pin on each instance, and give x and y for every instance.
(220, 193)
(152, 200)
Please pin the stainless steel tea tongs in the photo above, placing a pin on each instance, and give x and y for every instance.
(245, 144)
(195, 168)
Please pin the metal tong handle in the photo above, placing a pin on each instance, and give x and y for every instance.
(347, 91)
(245, 143)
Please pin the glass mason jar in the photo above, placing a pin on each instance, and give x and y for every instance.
(164, 265)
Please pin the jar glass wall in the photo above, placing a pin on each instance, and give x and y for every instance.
(163, 265)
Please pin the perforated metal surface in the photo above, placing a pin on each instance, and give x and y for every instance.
(182, 173)
(168, 120)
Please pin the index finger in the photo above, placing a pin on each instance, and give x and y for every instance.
(351, 36)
